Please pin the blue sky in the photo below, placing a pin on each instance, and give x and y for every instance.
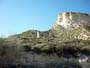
(17, 16)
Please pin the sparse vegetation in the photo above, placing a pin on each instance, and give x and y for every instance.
(47, 50)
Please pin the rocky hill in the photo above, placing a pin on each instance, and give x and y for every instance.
(68, 26)
(71, 25)
(60, 47)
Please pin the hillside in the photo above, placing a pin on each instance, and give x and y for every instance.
(70, 29)
(69, 37)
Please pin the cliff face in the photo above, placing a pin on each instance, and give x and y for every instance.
(71, 25)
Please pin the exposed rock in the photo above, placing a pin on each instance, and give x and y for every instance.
(71, 25)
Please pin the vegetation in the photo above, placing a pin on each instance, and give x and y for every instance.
(54, 48)
(13, 47)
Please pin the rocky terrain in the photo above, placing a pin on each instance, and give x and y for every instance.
(72, 26)
(62, 46)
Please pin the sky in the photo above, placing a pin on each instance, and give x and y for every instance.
(17, 16)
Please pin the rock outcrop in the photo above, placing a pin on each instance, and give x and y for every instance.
(71, 25)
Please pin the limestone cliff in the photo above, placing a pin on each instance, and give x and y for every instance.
(71, 25)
